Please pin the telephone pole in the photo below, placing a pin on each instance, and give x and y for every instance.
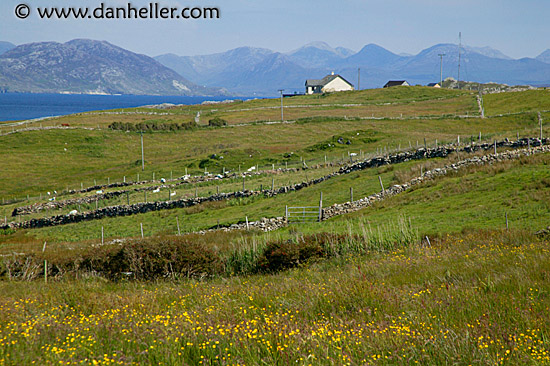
(282, 116)
(359, 79)
(441, 69)
(459, 51)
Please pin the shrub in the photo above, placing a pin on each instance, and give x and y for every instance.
(217, 122)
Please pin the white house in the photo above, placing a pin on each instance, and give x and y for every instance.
(328, 84)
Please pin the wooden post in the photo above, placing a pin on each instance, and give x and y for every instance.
(137, 177)
(351, 194)
(506, 217)
(102, 235)
(528, 143)
(169, 194)
(128, 198)
(95, 183)
(495, 146)
(325, 160)
(286, 165)
(153, 176)
(178, 225)
(145, 196)
(436, 143)
(247, 227)
(96, 204)
(480, 136)
(425, 146)
(239, 168)
(196, 191)
(286, 212)
(458, 140)
(45, 265)
(272, 166)
(321, 207)
(243, 183)
(421, 170)
(272, 184)
(81, 185)
(540, 123)
(185, 171)
(171, 175)
(381, 185)
(141, 227)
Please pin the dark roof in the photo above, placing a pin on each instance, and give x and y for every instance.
(324, 81)
(433, 84)
(395, 83)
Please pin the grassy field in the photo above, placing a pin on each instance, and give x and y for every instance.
(362, 288)
(479, 298)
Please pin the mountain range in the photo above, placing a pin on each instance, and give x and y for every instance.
(87, 66)
(90, 67)
(259, 71)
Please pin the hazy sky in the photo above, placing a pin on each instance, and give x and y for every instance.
(518, 28)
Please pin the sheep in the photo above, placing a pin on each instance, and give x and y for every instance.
(72, 213)
(156, 190)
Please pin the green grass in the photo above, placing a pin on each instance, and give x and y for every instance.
(517, 102)
(478, 298)
(36, 161)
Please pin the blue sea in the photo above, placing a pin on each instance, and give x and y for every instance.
(22, 106)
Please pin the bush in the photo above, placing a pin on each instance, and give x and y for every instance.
(217, 122)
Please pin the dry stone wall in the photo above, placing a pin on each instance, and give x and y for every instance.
(339, 209)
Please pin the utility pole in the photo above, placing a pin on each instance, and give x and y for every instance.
(282, 116)
(142, 158)
(359, 79)
(459, 51)
(441, 69)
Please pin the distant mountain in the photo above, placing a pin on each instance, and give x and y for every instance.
(488, 51)
(5, 47)
(92, 67)
(375, 56)
(318, 54)
(252, 71)
(544, 57)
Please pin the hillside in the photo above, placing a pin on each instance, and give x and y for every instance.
(90, 67)
(431, 248)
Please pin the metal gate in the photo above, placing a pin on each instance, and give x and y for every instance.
(303, 214)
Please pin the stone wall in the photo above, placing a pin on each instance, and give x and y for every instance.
(339, 209)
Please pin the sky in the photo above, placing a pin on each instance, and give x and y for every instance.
(517, 28)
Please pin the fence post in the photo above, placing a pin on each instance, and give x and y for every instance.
(178, 225)
(45, 265)
(506, 217)
(381, 185)
(351, 194)
(286, 212)
(102, 235)
(247, 227)
(272, 184)
(540, 123)
(141, 227)
(243, 183)
(321, 207)
(495, 147)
